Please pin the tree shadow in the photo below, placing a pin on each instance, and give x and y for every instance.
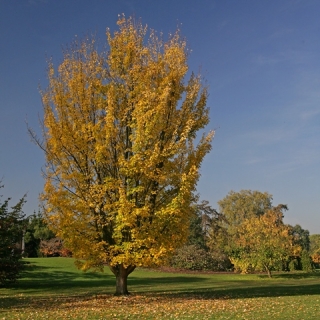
(42, 284)
(295, 275)
(252, 292)
(48, 303)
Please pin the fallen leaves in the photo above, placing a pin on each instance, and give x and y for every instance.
(163, 307)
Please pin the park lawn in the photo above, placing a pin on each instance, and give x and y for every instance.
(52, 288)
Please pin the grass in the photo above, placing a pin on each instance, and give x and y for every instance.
(52, 288)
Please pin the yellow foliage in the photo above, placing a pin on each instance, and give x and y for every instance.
(316, 257)
(263, 242)
(120, 144)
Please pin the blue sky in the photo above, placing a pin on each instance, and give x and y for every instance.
(259, 58)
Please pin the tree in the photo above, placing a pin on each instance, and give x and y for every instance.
(314, 243)
(197, 253)
(204, 221)
(36, 231)
(11, 228)
(123, 156)
(245, 204)
(306, 261)
(236, 208)
(315, 249)
(212, 224)
(301, 237)
(41, 241)
(264, 242)
(217, 243)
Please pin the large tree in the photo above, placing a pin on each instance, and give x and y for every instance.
(123, 157)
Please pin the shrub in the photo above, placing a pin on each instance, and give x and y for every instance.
(192, 257)
(54, 248)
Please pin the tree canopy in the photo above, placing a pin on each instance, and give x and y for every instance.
(122, 151)
(301, 237)
(253, 233)
(263, 242)
(235, 209)
(245, 204)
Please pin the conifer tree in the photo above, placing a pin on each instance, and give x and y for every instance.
(11, 230)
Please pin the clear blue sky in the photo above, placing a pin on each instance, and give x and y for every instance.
(260, 59)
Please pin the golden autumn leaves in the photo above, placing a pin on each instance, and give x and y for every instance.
(264, 242)
(256, 237)
(120, 143)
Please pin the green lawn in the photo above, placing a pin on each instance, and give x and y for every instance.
(52, 288)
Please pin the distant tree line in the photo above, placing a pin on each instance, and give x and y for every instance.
(247, 234)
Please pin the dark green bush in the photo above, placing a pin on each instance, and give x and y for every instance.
(10, 268)
(192, 257)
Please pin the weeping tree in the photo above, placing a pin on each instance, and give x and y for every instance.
(122, 151)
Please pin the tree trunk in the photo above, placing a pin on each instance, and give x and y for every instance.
(268, 272)
(121, 272)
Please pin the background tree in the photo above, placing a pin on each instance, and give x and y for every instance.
(315, 249)
(306, 261)
(197, 253)
(197, 236)
(203, 221)
(120, 133)
(36, 231)
(245, 204)
(236, 208)
(264, 242)
(314, 242)
(218, 243)
(300, 239)
(11, 228)
(214, 226)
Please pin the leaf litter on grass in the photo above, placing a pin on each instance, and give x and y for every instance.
(162, 307)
